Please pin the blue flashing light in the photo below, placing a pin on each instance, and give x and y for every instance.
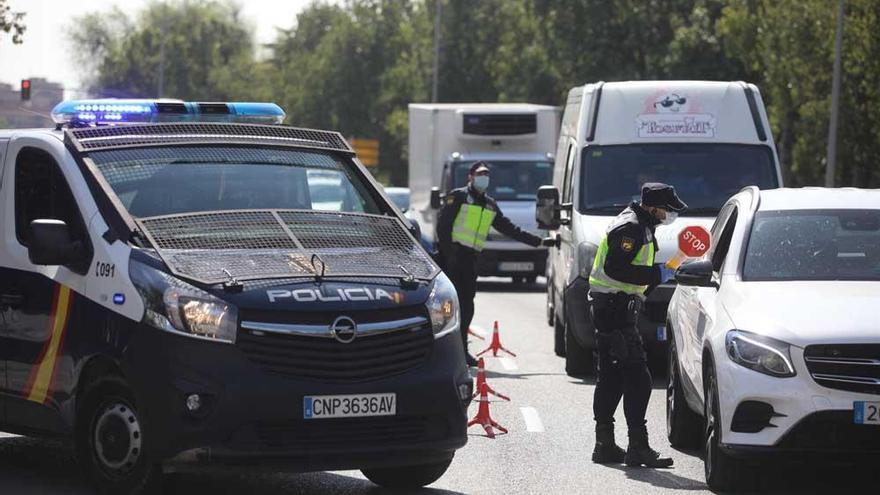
(118, 299)
(125, 111)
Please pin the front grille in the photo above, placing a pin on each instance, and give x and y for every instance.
(832, 430)
(323, 358)
(852, 367)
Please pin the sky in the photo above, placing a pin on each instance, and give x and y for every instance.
(44, 52)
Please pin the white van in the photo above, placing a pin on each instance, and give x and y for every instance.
(708, 139)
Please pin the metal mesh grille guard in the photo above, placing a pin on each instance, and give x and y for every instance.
(138, 135)
(222, 246)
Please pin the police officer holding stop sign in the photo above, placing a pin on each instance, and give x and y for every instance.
(623, 271)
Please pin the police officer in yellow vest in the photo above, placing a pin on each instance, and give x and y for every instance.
(623, 271)
(462, 228)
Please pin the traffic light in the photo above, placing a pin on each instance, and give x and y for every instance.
(25, 89)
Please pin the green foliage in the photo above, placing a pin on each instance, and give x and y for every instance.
(355, 65)
(12, 22)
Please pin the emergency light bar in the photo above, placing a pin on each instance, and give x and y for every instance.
(80, 113)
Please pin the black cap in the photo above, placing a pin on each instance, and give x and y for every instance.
(661, 195)
(476, 166)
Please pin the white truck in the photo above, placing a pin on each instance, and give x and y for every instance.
(516, 139)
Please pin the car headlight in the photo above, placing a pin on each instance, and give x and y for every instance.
(586, 254)
(762, 354)
(177, 307)
(443, 307)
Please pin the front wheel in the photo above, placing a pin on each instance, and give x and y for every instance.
(109, 440)
(558, 337)
(407, 477)
(723, 472)
(578, 359)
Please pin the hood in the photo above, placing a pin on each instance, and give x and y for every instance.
(328, 296)
(809, 312)
(593, 228)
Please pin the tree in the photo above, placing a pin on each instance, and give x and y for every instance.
(12, 22)
(193, 46)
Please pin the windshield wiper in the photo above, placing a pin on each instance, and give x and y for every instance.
(614, 208)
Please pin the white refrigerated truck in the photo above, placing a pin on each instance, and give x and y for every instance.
(516, 139)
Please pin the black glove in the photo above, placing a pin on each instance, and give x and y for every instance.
(550, 242)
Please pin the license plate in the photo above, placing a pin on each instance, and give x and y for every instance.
(516, 266)
(866, 413)
(349, 406)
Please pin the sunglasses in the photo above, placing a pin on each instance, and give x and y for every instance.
(668, 102)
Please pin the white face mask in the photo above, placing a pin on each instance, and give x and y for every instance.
(670, 217)
(481, 182)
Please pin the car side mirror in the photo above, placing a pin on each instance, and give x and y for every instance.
(50, 244)
(435, 198)
(547, 208)
(696, 274)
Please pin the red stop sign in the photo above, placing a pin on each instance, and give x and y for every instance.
(693, 241)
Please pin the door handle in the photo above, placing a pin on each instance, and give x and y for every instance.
(11, 300)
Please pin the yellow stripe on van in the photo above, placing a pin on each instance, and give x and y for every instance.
(41, 380)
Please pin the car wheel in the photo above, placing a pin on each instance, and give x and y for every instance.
(578, 359)
(109, 440)
(558, 337)
(551, 311)
(407, 477)
(723, 472)
(683, 425)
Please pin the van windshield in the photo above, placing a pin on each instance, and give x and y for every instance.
(510, 180)
(171, 180)
(704, 175)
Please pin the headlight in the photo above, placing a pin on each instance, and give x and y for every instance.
(443, 307)
(586, 254)
(759, 353)
(177, 307)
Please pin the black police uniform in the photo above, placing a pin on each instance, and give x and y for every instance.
(460, 262)
(623, 369)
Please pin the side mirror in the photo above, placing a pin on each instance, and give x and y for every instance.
(435, 198)
(50, 243)
(415, 228)
(547, 208)
(696, 274)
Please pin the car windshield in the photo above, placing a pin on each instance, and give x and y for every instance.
(170, 180)
(704, 175)
(510, 180)
(814, 245)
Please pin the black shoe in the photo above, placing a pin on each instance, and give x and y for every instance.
(639, 453)
(606, 450)
(471, 361)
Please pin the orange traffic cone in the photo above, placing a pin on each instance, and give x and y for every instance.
(483, 418)
(481, 380)
(475, 334)
(495, 346)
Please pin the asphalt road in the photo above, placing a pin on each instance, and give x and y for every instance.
(547, 450)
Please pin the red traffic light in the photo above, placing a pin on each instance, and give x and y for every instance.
(25, 84)
(25, 89)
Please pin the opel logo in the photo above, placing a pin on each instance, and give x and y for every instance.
(343, 329)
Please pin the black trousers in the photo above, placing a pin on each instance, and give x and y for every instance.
(462, 271)
(623, 367)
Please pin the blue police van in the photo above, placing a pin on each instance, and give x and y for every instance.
(194, 285)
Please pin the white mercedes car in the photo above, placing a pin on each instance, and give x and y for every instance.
(776, 346)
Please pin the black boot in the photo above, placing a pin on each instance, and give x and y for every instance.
(606, 451)
(471, 360)
(639, 452)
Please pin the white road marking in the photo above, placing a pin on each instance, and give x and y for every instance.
(509, 364)
(7, 435)
(533, 421)
(478, 330)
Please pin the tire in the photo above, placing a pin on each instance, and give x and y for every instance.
(551, 310)
(558, 337)
(109, 440)
(683, 425)
(579, 360)
(407, 477)
(723, 472)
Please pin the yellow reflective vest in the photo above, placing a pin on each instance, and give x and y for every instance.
(599, 279)
(471, 226)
